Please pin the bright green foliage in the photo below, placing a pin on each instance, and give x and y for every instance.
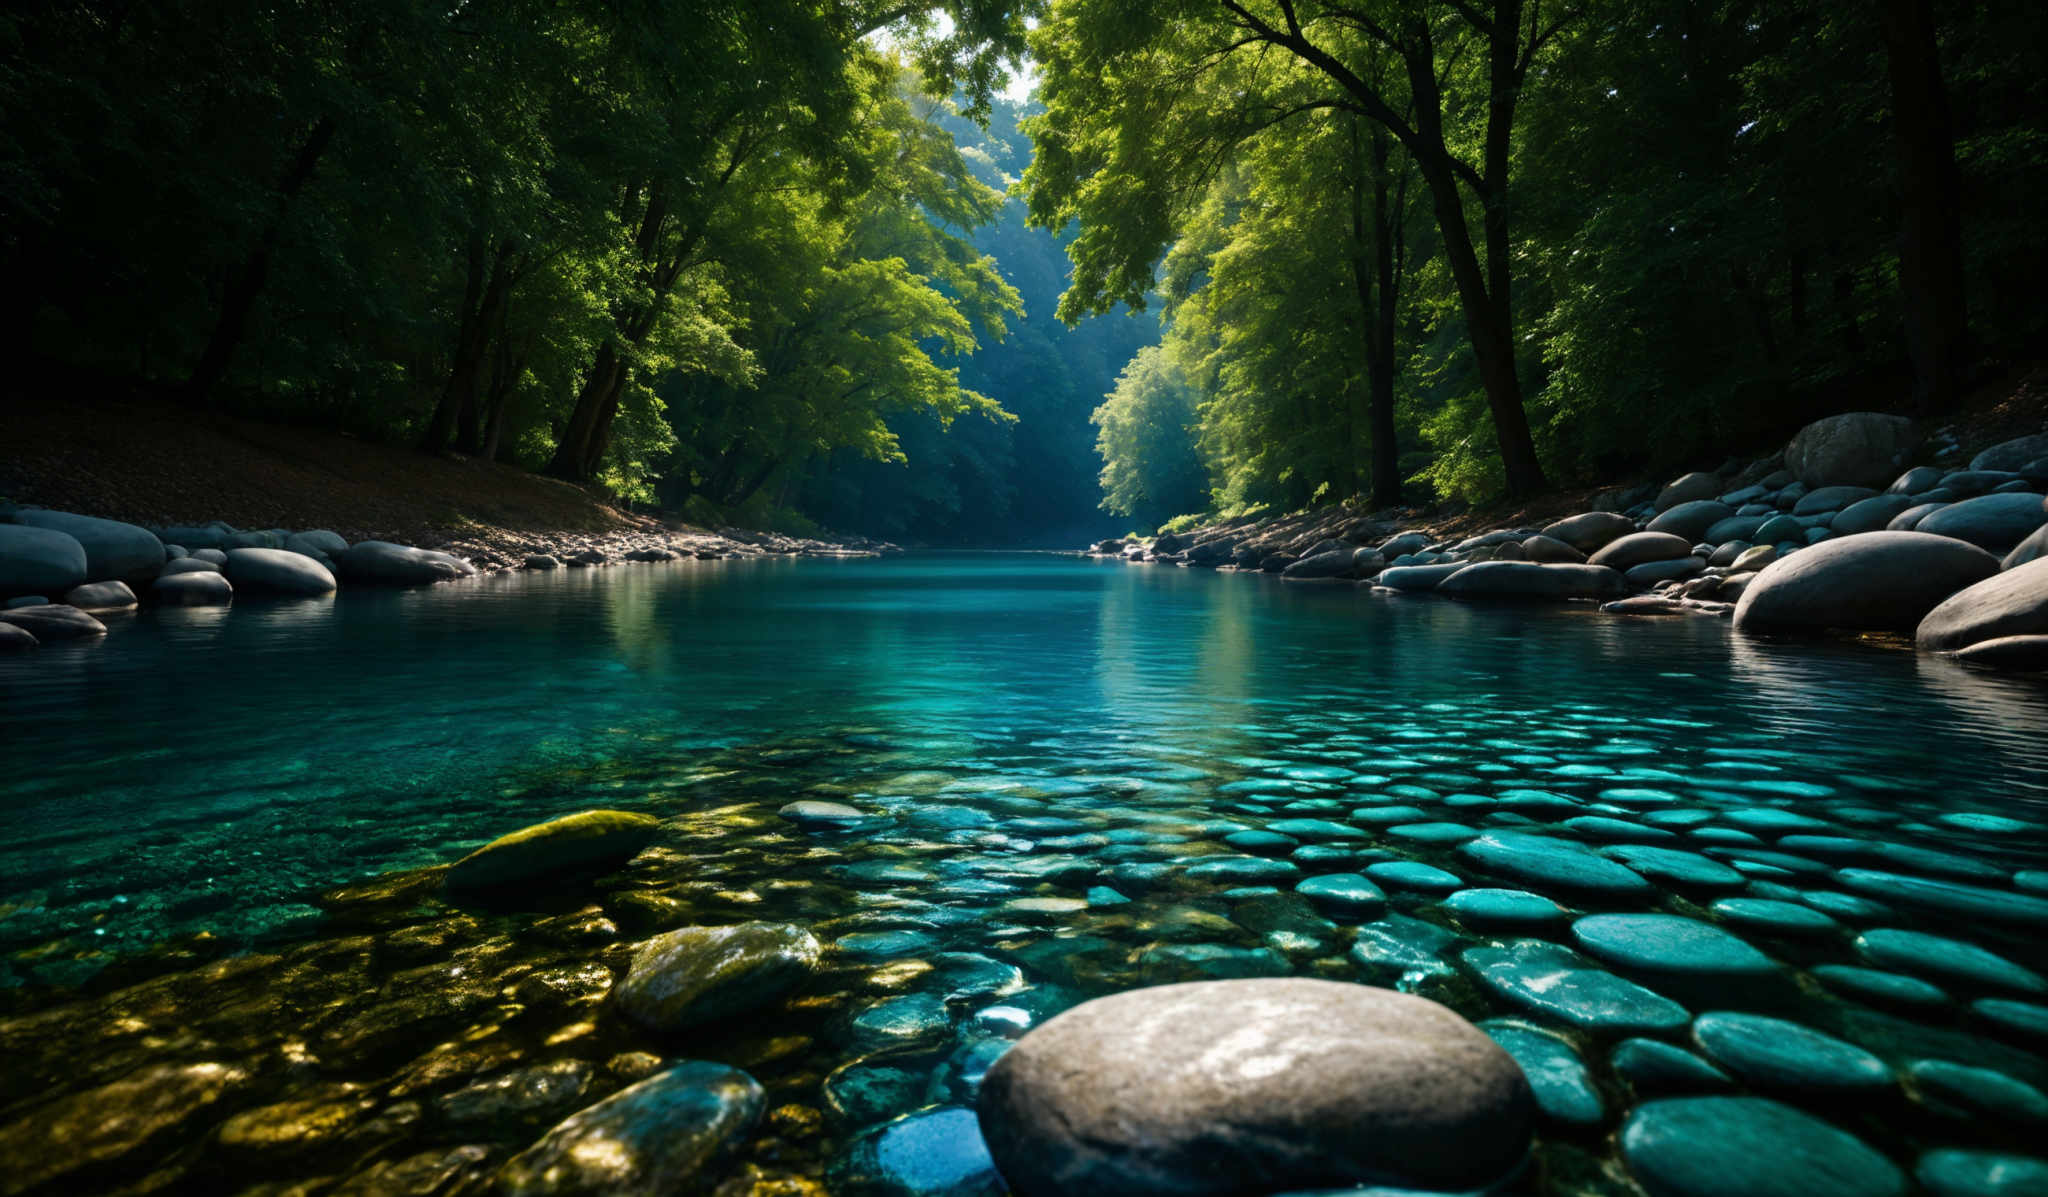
(1151, 469)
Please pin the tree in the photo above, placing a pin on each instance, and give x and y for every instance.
(1148, 424)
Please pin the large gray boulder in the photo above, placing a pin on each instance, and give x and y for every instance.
(1915, 480)
(1337, 563)
(1869, 582)
(1691, 520)
(1995, 523)
(101, 596)
(1858, 448)
(1690, 488)
(1909, 519)
(2013, 454)
(39, 560)
(1406, 542)
(382, 563)
(1591, 531)
(1551, 551)
(2033, 548)
(2014, 603)
(1639, 547)
(1254, 1086)
(278, 571)
(1417, 577)
(656, 1136)
(13, 637)
(1532, 580)
(1873, 514)
(192, 588)
(113, 550)
(54, 621)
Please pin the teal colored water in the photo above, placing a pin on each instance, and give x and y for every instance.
(1092, 776)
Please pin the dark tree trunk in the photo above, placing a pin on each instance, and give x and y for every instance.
(572, 448)
(468, 350)
(1930, 228)
(246, 281)
(1386, 456)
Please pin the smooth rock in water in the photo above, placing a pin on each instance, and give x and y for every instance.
(1880, 988)
(1949, 897)
(1868, 515)
(1775, 918)
(1649, 573)
(1531, 580)
(1254, 1086)
(653, 1137)
(192, 588)
(1334, 564)
(2013, 454)
(2032, 549)
(187, 565)
(100, 596)
(1638, 548)
(122, 1123)
(1830, 499)
(1652, 1068)
(2013, 603)
(586, 844)
(1860, 448)
(1749, 1147)
(1591, 531)
(54, 621)
(277, 571)
(1949, 959)
(1691, 488)
(702, 974)
(1348, 892)
(1734, 528)
(541, 561)
(1562, 1086)
(931, 1153)
(216, 556)
(1244, 870)
(1915, 480)
(1968, 1091)
(1549, 864)
(382, 563)
(1995, 523)
(914, 1020)
(1413, 874)
(318, 542)
(1955, 1172)
(2008, 652)
(1873, 581)
(1504, 909)
(1771, 1053)
(1691, 520)
(1417, 577)
(12, 637)
(1550, 550)
(1909, 519)
(113, 550)
(39, 560)
(1669, 943)
(1559, 983)
(809, 812)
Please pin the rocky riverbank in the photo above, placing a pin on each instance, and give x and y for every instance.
(60, 571)
(1839, 531)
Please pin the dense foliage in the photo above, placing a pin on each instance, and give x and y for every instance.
(1578, 238)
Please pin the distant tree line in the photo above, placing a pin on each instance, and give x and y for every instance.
(1473, 247)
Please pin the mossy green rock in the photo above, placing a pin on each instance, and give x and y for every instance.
(587, 844)
(702, 974)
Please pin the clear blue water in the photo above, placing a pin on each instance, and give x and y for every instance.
(210, 770)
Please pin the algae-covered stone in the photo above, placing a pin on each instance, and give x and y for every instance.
(702, 974)
(653, 1137)
(1775, 1054)
(588, 844)
(113, 1123)
(1749, 1147)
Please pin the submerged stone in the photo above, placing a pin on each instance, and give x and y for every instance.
(113, 1124)
(587, 844)
(1667, 943)
(1773, 917)
(1879, 987)
(1347, 892)
(883, 945)
(1967, 1091)
(1563, 1088)
(1254, 1086)
(1505, 909)
(1919, 952)
(1954, 1172)
(1543, 863)
(1401, 945)
(1949, 897)
(653, 1137)
(702, 974)
(1208, 962)
(916, 1020)
(930, 1153)
(1674, 866)
(1413, 874)
(1749, 1147)
(1772, 1053)
(1652, 1068)
(1243, 870)
(1554, 981)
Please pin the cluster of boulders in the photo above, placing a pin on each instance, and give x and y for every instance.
(59, 572)
(1837, 531)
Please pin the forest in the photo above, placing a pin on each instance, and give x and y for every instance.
(801, 263)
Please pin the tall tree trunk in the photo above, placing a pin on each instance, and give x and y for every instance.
(468, 351)
(490, 322)
(246, 281)
(1386, 457)
(1930, 229)
(572, 447)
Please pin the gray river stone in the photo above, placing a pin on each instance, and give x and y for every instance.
(912, 1021)
(100, 596)
(2013, 1019)
(1949, 897)
(1654, 1069)
(192, 589)
(1956, 1172)
(1347, 892)
(1749, 1147)
(1668, 943)
(1691, 519)
(1591, 531)
(1994, 523)
(653, 1137)
(1967, 1091)
(187, 565)
(702, 974)
(1830, 499)
(1557, 982)
(1254, 1086)
(1244, 870)
(12, 637)
(1504, 909)
(1872, 581)
(1949, 959)
(1638, 548)
(1772, 1053)
(1550, 864)
(1417, 577)
(2014, 603)
(1868, 515)
(54, 621)
(930, 1153)
(279, 571)
(1563, 1088)
(810, 812)
(382, 563)
(586, 844)
(1532, 580)
(39, 560)
(113, 550)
